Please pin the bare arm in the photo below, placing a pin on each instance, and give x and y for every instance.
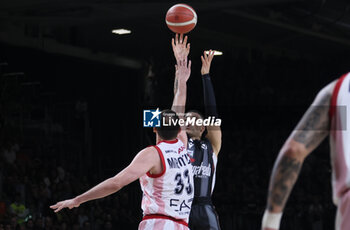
(183, 72)
(214, 134)
(145, 161)
(312, 129)
(181, 50)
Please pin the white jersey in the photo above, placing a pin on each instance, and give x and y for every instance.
(170, 193)
(340, 137)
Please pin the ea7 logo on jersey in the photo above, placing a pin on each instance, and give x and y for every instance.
(151, 118)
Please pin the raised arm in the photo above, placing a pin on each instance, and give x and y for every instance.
(181, 49)
(145, 161)
(312, 129)
(182, 73)
(214, 133)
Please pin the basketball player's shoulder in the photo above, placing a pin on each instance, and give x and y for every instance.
(328, 89)
(331, 86)
(181, 146)
(324, 95)
(180, 142)
(150, 150)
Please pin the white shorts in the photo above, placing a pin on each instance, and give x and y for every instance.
(161, 224)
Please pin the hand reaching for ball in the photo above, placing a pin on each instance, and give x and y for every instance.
(180, 46)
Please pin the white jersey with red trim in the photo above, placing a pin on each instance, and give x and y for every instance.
(340, 137)
(171, 192)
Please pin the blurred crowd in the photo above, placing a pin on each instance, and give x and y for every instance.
(30, 183)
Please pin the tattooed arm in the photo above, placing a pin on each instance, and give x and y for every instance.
(176, 83)
(181, 50)
(183, 72)
(312, 129)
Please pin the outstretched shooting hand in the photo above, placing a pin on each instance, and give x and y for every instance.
(180, 46)
(72, 203)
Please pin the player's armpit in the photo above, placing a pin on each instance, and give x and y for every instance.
(314, 125)
(214, 135)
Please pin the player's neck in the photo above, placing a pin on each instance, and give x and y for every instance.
(158, 139)
(196, 138)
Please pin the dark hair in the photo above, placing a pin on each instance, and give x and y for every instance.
(168, 131)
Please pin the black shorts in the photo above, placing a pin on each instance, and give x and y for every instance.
(203, 217)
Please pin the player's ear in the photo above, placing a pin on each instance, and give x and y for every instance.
(154, 130)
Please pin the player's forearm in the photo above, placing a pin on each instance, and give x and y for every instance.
(176, 85)
(179, 101)
(101, 190)
(285, 174)
(209, 96)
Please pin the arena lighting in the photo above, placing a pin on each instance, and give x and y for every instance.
(216, 52)
(121, 31)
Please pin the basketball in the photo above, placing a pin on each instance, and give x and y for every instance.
(181, 18)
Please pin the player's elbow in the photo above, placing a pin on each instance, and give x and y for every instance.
(115, 184)
(294, 150)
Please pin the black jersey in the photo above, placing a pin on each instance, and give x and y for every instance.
(203, 161)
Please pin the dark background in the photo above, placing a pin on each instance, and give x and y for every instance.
(72, 95)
